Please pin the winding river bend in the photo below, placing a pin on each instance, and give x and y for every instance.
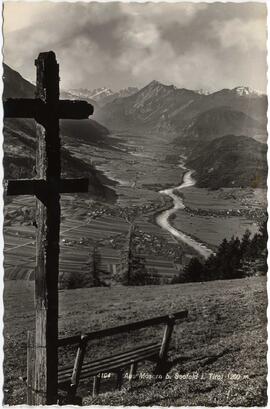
(163, 219)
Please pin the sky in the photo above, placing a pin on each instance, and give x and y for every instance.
(116, 45)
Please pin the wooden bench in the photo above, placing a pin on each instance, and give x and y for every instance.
(69, 377)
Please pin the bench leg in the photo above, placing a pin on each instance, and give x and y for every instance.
(161, 367)
(133, 371)
(75, 378)
(96, 385)
(72, 398)
(71, 393)
(119, 380)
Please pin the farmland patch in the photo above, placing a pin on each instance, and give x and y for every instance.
(212, 230)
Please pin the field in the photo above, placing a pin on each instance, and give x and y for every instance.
(82, 228)
(212, 230)
(140, 171)
(210, 216)
(231, 200)
(139, 165)
(142, 166)
(223, 340)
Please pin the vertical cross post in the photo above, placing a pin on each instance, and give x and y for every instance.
(46, 109)
(30, 366)
(48, 166)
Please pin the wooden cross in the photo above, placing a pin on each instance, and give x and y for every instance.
(47, 109)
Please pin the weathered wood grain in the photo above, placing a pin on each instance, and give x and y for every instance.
(46, 109)
(48, 168)
(122, 328)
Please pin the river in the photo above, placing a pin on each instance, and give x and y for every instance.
(163, 219)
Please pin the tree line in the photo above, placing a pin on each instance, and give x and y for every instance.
(234, 258)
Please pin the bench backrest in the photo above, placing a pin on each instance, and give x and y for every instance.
(82, 340)
(165, 319)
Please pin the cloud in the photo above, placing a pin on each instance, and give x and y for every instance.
(120, 44)
(241, 34)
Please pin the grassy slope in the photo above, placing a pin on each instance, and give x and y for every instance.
(225, 333)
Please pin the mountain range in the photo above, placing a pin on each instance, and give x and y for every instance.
(166, 108)
(213, 128)
(101, 96)
(20, 143)
(224, 133)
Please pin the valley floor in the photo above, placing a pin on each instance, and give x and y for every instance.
(225, 333)
(142, 165)
(223, 340)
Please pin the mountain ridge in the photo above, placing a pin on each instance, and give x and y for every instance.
(230, 161)
(103, 95)
(19, 158)
(166, 108)
(219, 121)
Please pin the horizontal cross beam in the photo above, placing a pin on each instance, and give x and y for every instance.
(36, 108)
(42, 187)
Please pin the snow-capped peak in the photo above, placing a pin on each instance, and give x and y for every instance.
(96, 93)
(101, 91)
(202, 92)
(246, 91)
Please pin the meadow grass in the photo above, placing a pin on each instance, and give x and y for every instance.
(225, 334)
